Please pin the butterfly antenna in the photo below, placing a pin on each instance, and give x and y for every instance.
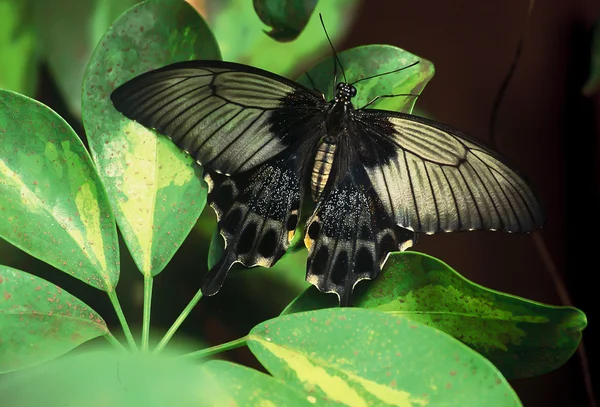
(336, 60)
(386, 73)
(376, 98)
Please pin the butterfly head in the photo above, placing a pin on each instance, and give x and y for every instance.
(344, 92)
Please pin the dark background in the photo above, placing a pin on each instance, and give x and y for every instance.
(545, 126)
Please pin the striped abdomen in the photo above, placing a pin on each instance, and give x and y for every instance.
(322, 167)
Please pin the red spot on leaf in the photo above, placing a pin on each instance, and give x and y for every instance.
(453, 372)
(7, 296)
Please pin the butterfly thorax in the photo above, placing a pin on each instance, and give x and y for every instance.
(337, 126)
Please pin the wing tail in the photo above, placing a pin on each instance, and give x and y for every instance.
(257, 213)
(214, 279)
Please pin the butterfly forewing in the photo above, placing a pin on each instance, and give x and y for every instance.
(256, 128)
(228, 119)
(434, 179)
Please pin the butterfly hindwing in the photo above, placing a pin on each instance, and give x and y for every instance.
(432, 179)
(229, 117)
(257, 213)
(349, 236)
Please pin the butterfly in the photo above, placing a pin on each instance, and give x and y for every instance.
(375, 178)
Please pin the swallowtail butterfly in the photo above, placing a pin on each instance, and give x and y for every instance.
(377, 178)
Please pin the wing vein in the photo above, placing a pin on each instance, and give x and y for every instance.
(178, 115)
(231, 142)
(473, 197)
(487, 191)
(200, 120)
(412, 190)
(433, 196)
(460, 224)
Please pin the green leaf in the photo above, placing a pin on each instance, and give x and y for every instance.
(362, 357)
(155, 190)
(247, 387)
(40, 321)
(215, 250)
(522, 338)
(287, 18)
(101, 378)
(242, 39)
(68, 42)
(369, 60)
(52, 204)
(18, 49)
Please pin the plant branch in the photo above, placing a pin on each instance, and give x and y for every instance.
(112, 295)
(511, 71)
(204, 353)
(163, 342)
(114, 341)
(148, 280)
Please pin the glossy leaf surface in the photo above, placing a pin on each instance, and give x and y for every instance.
(522, 338)
(100, 378)
(155, 190)
(40, 321)
(52, 204)
(361, 357)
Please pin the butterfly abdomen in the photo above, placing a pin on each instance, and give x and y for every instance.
(322, 167)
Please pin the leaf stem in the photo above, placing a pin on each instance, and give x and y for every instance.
(163, 342)
(114, 341)
(148, 280)
(117, 306)
(204, 353)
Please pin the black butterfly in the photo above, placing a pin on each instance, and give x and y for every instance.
(377, 178)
